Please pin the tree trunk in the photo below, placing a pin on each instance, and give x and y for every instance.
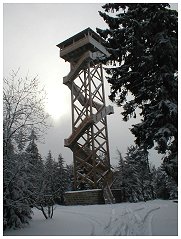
(42, 209)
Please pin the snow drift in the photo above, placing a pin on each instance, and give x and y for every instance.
(158, 217)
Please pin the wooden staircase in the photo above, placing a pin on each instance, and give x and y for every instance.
(85, 124)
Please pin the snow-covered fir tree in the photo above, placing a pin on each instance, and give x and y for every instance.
(142, 39)
(34, 170)
(164, 186)
(49, 176)
(119, 176)
(70, 177)
(133, 176)
(61, 179)
(16, 207)
(137, 160)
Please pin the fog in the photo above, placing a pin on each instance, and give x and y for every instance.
(30, 35)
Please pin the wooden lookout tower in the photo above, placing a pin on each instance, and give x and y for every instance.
(89, 138)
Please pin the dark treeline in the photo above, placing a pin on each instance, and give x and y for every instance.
(138, 181)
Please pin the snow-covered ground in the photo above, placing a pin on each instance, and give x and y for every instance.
(158, 217)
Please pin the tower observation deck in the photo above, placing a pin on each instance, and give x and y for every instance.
(89, 138)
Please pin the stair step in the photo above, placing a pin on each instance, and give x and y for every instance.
(85, 124)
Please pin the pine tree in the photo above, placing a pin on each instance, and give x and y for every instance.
(119, 175)
(46, 195)
(49, 175)
(16, 208)
(70, 177)
(61, 180)
(138, 182)
(142, 39)
(133, 176)
(164, 186)
(34, 170)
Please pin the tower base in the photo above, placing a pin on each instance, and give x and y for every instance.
(89, 197)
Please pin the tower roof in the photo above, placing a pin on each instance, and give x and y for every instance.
(87, 40)
(79, 36)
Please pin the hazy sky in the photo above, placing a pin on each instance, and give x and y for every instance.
(31, 33)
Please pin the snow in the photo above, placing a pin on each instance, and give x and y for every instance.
(158, 217)
(87, 190)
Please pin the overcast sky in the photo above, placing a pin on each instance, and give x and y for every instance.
(31, 33)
